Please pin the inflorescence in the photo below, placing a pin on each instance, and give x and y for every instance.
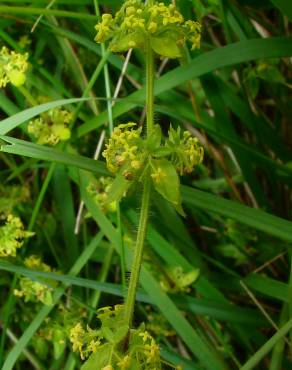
(131, 158)
(136, 23)
(12, 235)
(105, 346)
(35, 291)
(13, 67)
(51, 127)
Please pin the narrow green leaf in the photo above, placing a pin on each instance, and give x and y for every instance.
(27, 149)
(254, 218)
(269, 287)
(65, 210)
(38, 11)
(204, 307)
(17, 119)
(267, 347)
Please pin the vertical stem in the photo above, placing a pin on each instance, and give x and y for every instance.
(138, 254)
(30, 99)
(41, 196)
(121, 241)
(130, 301)
(149, 87)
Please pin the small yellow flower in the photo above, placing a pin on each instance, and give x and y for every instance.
(94, 345)
(77, 334)
(125, 363)
(145, 336)
(158, 175)
(151, 351)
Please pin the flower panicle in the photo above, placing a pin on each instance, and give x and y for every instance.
(12, 235)
(35, 291)
(51, 127)
(142, 350)
(124, 147)
(13, 67)
(136, 22)
(186, 150)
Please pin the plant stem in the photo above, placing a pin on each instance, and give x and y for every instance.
(149, 87)
(30, 99)
(138, 253)
(136, 266)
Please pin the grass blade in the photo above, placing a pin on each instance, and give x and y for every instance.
(27, 149)
(267, 347)
(17, 119)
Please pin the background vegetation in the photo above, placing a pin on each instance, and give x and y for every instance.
(214, 285)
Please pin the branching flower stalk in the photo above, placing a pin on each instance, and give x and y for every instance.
(153, 160)
(160, 29)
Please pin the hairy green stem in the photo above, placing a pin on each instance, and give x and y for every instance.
(136, 266)
(149, 87)
(30, 99)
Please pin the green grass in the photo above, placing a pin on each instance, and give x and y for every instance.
(235, 94)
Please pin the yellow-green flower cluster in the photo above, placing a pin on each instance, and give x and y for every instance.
(133, 158)
(34, 291)
(186, 150)
(99, 189)
(13, 67)
(136, 23)
(142, 352)
(124, 148)
(12, 234)
(150, 349)
(84, 341)
(54, 333)
(51, 127)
